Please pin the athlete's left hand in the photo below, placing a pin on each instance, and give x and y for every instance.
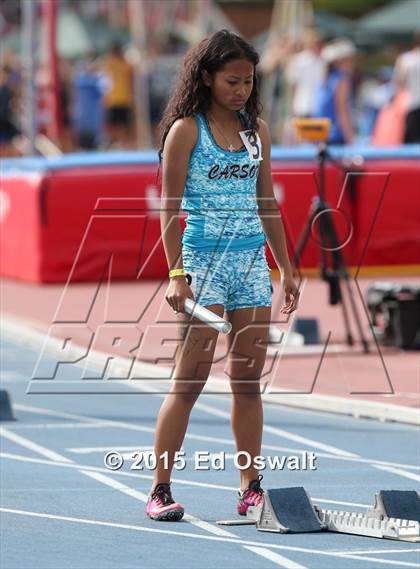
(291, 292)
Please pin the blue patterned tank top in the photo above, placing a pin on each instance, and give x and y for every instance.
(220, 196)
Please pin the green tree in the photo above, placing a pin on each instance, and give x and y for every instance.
(347, 8)
(350, 9)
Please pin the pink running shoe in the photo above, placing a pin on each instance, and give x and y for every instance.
(252, 496)
(162, 507)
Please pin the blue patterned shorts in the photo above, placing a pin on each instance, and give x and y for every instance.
(235, 279)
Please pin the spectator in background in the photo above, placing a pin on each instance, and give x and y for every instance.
(89, 86)
(374, 94)
(305, 72)
(272, 75)
(65, 72)
(407, 77)
(119, 97)
(8, 130)
(334, 100)
(165, 55)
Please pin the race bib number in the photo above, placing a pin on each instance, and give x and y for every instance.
(252, 143)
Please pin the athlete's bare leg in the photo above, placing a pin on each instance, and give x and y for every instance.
(247, 344)
(193, 363)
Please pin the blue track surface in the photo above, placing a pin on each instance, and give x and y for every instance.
(67, 510)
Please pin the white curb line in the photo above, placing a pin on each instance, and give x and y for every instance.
(29, 333)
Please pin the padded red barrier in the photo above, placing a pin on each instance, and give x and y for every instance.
(381, 201)
(88, 222)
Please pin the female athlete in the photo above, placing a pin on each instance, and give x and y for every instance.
(215, 153)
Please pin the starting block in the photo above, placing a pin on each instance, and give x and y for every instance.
(284, 510)
(395, 515)
(403, 504)
(288, 510)
(6, 411)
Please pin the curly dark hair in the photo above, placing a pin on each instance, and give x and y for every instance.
(191, 95)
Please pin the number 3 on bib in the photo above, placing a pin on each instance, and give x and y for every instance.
(252, 143)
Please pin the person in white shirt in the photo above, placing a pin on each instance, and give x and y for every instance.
(407, 77)
(305, 72)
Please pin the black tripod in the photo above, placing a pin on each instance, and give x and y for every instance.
(321, 212)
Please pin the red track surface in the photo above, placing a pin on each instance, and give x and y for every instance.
(340, 373)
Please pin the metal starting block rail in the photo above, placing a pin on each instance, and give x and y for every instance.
(363, 524)
(291, 510)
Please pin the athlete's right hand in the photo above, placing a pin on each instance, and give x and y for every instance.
(176, 293)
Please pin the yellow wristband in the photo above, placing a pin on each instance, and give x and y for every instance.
(176, 273)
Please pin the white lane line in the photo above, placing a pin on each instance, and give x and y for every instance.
(216, 411)
(307, 441)
(371, 461)
(30, 445)
(302, 451)
(137, 495)
(213, 529)
(379, 560)
(341, 502)
(25, 333)
(60, 459)
(224, 414)
(204, 537)
(133, 427)
(26, 443)
(295, 451)
(32, 426)
(89, 450)
(116, 525)
(367, 551)
(399, 471)
(136, 474)
(275, 558)
(279, 432)
(52, 413)
(291, 436)
(219, 412)
(181, 481)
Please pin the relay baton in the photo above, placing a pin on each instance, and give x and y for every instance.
(206, 316)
